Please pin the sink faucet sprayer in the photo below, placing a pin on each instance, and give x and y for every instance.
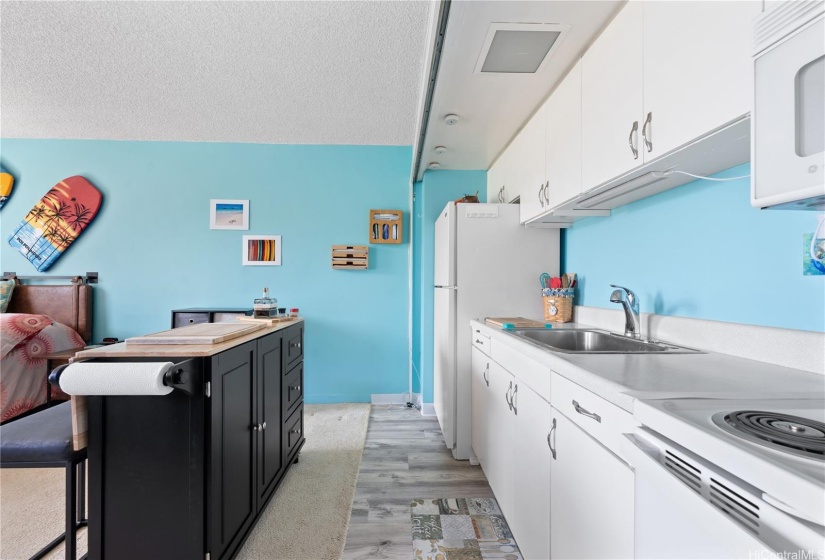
(630, 303)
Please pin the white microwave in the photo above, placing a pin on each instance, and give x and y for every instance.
(788, 119)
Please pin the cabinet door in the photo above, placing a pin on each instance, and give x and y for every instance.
(591, 497)
(480, 392)
(563, 153)
(501, 177)
(612, 99)
(495, 181)
(697, 69)
(231, 479)
(531, 473)
(499, 470)
(530, 166)
(269, 458)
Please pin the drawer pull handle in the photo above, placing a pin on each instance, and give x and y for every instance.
(294, 431)
(296, 388)
(296, 345)
(484, 375)
(553, 434)
(263, 426)
(191, 321)
(256, 427)
(478, 341)
(584, 412)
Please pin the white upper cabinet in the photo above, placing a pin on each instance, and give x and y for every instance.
(697, 69)
(500, 186)
(563, 140)
(612, 102)
(530, 158)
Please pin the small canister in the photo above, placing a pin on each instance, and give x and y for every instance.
(293, 312)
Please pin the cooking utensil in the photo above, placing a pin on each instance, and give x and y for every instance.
(572, 276)
(565, 281)
(544, 280)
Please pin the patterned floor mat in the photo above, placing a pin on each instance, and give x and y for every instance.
(461, 529)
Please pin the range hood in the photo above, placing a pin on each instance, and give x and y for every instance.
(716, 151)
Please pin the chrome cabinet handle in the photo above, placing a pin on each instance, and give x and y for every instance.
(501, 194)
(256, 427)
(296, 388)
(263, 426)
(297, 345)
(478, 341)
(584, 412)
(541, 198)
(648, 139)
(484, 375)
(552, 433)
(630, 139)
(294, 431)
(507, 396)
(513, 399)
(546, 196)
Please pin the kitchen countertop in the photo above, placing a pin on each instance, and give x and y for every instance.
(623, 378)
(127, 350)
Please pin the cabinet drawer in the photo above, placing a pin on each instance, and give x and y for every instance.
(480, 341)
(294, 337)
(186, 319)
(226, 316)
(293, 431)
(603, 420)
(293, 390)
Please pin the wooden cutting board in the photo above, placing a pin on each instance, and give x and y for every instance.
(271, 321)
(204, 333)
(517, 322)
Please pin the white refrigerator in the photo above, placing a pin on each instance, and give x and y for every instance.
(486, 265)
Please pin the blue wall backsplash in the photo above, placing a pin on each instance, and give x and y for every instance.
(436, 190)
(701, 251)
(153, 248)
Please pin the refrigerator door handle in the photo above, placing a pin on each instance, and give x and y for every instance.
(447, 287)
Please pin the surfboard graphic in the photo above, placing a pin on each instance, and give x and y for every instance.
(6, 184)
(56, 221)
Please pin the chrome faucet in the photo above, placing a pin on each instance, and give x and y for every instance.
(630, 303)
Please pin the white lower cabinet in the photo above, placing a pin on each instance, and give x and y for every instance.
(531, 473)
(480, 390)
(591, 506)
(499, 468)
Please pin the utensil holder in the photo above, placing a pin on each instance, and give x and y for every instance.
(558, 304)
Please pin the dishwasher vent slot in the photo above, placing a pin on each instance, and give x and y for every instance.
(734, 505)
(685, 471)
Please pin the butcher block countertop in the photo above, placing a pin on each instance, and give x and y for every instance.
(127, 350)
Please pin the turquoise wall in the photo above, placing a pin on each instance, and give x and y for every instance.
(155, 252)
(437, 188)
(701, 251)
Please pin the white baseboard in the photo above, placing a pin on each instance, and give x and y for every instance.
(390, 398)
(427, 409)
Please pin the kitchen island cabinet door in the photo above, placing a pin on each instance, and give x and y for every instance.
(232, 469)
(531, 473)
(612, 99)
(270, 462)
(591, 490)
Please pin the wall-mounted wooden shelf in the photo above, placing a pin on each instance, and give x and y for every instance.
(350, 257)
(386, 226)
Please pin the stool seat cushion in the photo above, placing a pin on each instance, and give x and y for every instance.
(44, 436)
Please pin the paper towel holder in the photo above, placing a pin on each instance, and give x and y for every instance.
(179, 377)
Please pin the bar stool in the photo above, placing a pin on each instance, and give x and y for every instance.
(44, 440)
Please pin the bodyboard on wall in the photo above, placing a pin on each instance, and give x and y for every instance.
(56, 221)
(6, 184)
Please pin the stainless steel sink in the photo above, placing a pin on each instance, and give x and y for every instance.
(580, 341)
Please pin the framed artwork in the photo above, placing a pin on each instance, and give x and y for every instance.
(262, 250)
(228, 214)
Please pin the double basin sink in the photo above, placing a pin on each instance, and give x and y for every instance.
(594, 341)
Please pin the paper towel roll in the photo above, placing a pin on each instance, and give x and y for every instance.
(115, 378)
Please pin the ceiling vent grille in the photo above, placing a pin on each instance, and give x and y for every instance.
(519, 48)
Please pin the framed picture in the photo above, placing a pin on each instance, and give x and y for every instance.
(228, 214)
(262, 250)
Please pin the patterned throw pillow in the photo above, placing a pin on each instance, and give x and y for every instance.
(6, 288)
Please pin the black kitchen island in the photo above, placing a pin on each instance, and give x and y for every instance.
(186, 475)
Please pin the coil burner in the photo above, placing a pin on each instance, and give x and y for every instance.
(800, 436)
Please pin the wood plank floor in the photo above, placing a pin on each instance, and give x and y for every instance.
(405, 458)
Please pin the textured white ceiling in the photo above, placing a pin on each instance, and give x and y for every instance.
(269, 72)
